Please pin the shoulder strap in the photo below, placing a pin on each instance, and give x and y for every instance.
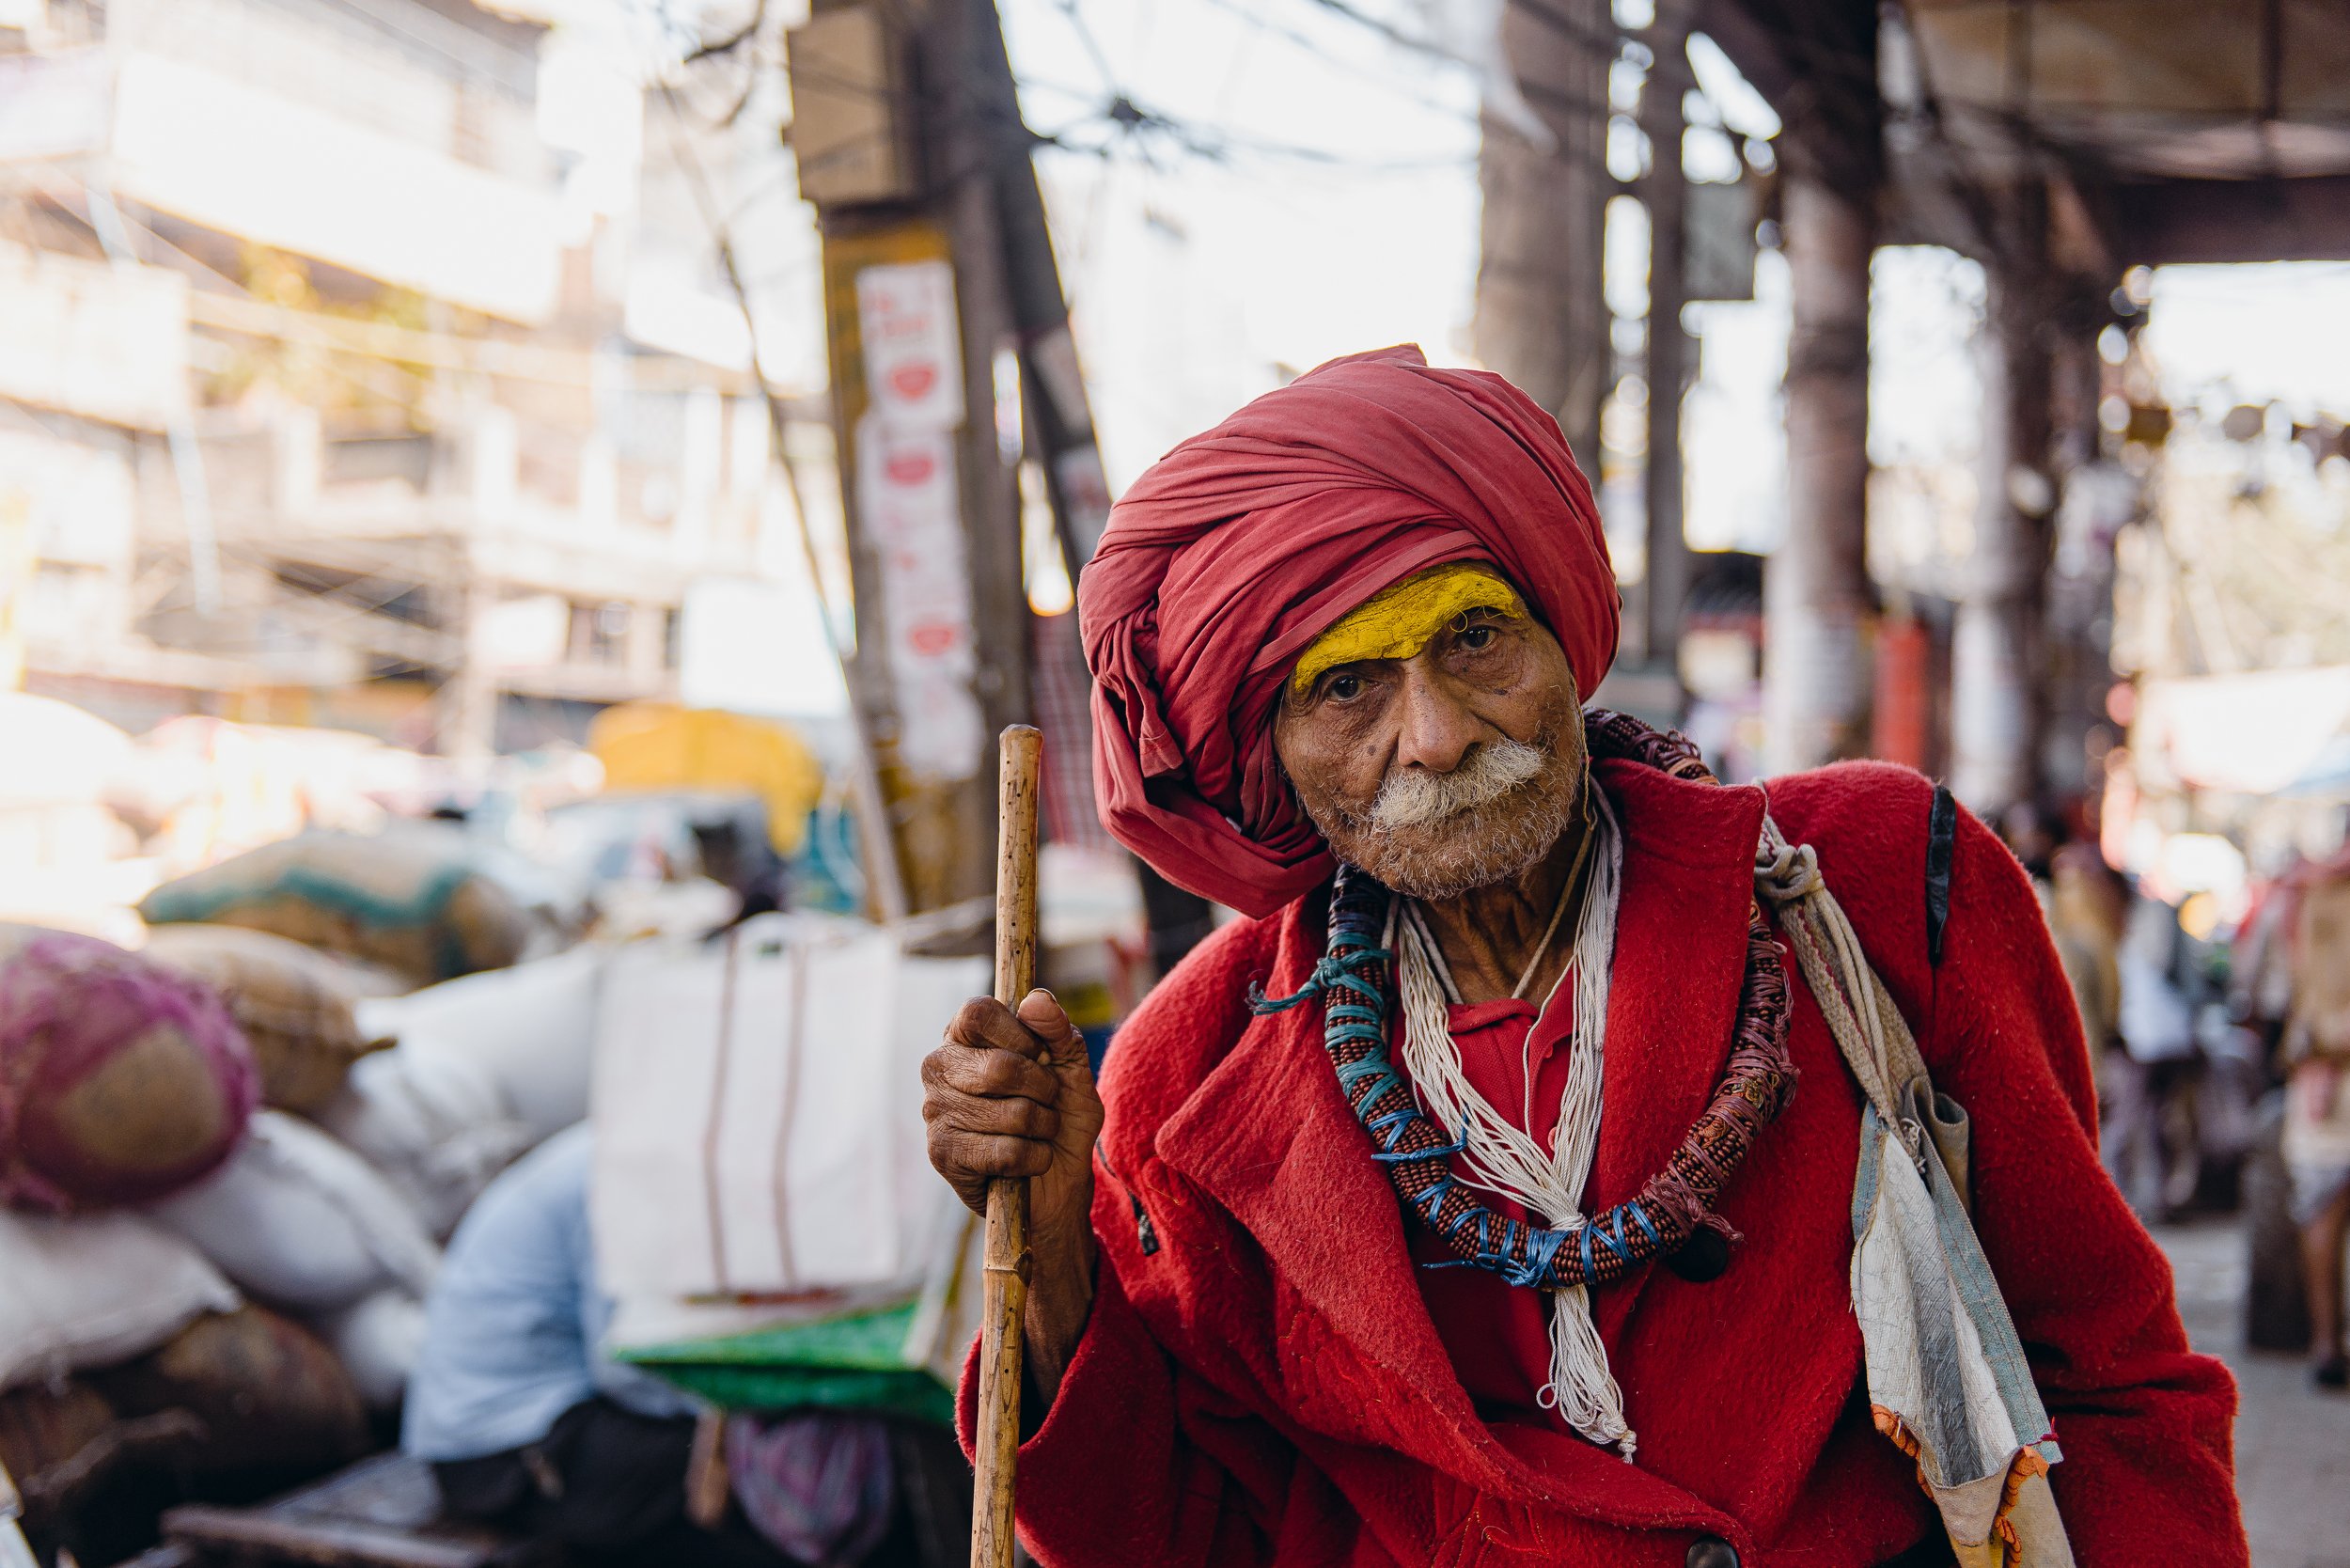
(1917, 1265)
(1941, 838)
(1869, 1029)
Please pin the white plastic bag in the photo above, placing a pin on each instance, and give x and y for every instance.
(758, 1106)
(92, 1290)
(300, 1222)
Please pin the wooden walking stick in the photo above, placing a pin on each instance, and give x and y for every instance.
(1006, 1289)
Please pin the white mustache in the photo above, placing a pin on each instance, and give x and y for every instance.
(1412, 798)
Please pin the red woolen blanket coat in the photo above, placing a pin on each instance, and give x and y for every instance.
(1264, 1386)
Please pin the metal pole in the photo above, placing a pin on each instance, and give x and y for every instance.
(1666, 586)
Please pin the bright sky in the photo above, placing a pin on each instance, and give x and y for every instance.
(1336, 210)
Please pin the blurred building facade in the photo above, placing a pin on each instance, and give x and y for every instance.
(323, 395)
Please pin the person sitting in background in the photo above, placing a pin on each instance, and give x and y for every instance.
(524, 1419)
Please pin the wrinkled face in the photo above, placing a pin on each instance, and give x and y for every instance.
(1449, 771)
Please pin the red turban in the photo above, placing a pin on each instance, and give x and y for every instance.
(1241, 546)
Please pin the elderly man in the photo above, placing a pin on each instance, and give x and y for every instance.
(1354, 1258)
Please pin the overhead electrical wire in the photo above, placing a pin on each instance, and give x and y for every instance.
(1141, 128)
(1265, 25)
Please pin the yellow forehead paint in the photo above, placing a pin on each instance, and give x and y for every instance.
(1400, 620)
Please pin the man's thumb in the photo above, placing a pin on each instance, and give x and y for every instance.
(1041, 1012)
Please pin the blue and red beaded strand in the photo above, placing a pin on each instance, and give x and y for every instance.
(1675, 1205)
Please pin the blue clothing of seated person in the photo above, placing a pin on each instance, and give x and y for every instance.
(525, 1419)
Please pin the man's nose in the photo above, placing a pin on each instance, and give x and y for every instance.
(1437, 727)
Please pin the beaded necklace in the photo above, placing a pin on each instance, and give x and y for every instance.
(1672, 1216)
(1509, 1160)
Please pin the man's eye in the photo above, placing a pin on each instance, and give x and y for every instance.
(1345, 689)
(1476, 638)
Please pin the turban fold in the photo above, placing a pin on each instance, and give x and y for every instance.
(1234, 552)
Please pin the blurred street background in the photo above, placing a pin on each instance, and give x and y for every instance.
(494, 491)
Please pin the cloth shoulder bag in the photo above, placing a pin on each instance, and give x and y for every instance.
(1947, 1381)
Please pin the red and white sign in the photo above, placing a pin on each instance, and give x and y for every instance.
(913, 351)
(907, 494)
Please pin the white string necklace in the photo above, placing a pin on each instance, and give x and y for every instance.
(1509, 1162)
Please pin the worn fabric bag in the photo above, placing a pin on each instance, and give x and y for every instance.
(120, 1081)
(419, 899)
(91, 1290)
(293, 1003)
(1947, 1381)
(262, 1388)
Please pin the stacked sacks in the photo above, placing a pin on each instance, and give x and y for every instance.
(418, 900)
(284, 1297)
(78, 1293)
(233, 1391)
(299, 1222)
(295, 1004)
(437, 1127)
(130, 1085)
(90, 1290)
(119, 1080)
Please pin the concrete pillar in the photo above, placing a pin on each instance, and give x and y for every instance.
(1997, 707)
(1817, 600)
(1542, 320)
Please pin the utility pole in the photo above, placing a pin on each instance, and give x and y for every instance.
(1060, 433)
(898, 146)
(1542, 316)
(918, 154)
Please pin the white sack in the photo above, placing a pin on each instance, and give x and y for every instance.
(758, 1106)
(92, 1290)
(300, 1222)
(378, 1339)
(436, 1126)
(531, 1029)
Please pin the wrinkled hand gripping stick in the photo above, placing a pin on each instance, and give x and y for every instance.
(1007, 1250)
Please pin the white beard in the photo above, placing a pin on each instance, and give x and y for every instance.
(1437, 836)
